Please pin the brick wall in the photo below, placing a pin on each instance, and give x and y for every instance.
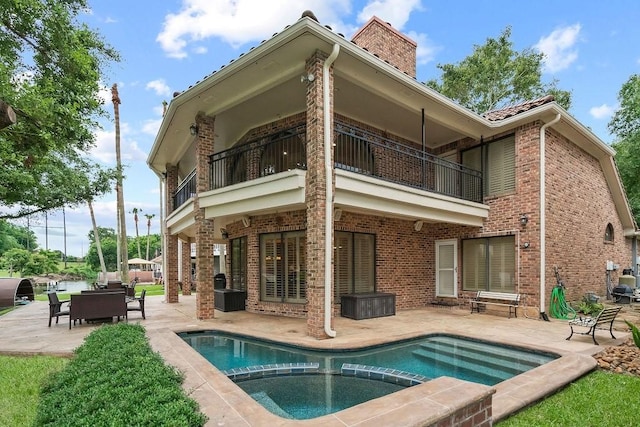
(185, 266)
(170, 271)
(579, 207)
(388, 44)
(315, 194)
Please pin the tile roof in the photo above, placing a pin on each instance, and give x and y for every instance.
(513, 110)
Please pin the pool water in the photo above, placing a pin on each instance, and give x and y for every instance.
(311, 396)
(380, 369)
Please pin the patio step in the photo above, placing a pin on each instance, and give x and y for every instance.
(444, 365)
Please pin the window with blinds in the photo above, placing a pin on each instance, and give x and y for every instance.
(283, 267)
(239, 263)
(497, 161)
(354, 263)
(489, 264)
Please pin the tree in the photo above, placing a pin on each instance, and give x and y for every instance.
(625, 125)
(149, 218)
(123, 258)
(96, 234)
(43, 262)
(135, 211)
(15, 260)
(51, 67)
(15, 237)
(495, 76)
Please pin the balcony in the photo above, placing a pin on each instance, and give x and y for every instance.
(185, 191)
(356, 151)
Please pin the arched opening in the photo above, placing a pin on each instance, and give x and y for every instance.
(15, 291)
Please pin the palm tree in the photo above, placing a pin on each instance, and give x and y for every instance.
(149, 218)
(96, 235)
(123, 258)
(135, 211)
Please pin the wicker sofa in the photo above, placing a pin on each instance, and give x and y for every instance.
(97, 305)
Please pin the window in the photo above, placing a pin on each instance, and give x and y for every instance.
(497, 161)
(283, 267)
(489, 264)
(354, 264)
(239, 263)
(608, 233)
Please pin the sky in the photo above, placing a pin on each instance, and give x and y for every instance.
(591, 48)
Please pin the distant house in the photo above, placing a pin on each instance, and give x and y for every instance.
(329, 170)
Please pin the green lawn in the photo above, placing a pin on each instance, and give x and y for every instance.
(602, 399)
(21, 379)
(151, 290)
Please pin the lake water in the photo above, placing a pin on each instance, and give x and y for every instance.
(68, 286)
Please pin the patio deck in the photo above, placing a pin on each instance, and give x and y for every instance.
(25, 331)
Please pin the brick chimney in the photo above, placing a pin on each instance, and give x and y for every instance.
(389, 44)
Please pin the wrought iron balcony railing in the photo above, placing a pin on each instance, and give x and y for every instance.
(356, 150)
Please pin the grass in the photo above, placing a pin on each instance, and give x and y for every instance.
(602, 399)
(21, 380)
(151, 290)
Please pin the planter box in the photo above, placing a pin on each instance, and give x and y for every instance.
(367, 306)
(229, 299)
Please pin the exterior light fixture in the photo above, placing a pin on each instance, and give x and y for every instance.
(526, 245)
(524, 219)
(224, 233)
(307, 78)
(193, 129)
(417, 225)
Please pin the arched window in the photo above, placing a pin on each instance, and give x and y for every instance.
(608, 233)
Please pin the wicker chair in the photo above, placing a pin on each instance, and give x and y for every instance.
(55, 307)
(131, 306)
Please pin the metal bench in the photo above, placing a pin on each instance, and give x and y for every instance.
(496, 298)
(604, 320)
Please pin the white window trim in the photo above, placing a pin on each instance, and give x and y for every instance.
(439, 243)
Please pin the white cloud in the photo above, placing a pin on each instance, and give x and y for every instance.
(105, 149)
(395, 12)
(151, 127)
(159, 86)
(602, 112)
(426, 50)
(559, 48)
(237, 22)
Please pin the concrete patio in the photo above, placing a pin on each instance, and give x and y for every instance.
(24, 331)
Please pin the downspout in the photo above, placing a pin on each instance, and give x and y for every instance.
(163, 234)
(543, 214)
(328, 168)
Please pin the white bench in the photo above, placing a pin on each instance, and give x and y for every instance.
(506, 299)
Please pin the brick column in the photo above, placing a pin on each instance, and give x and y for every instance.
(170, 273)
(185, 264)
(315, 193)
(204, 227)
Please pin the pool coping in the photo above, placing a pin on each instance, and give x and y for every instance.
(225, 403)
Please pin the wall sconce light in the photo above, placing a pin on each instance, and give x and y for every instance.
(224, 233)
(193, 129)
(246, 221)
(526, 245)
(417, 225)
(337, 214)
(307, 78)
(524, 219)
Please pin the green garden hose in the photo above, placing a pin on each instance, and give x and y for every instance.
(559, 307)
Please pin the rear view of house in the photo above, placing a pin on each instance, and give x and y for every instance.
(328, 170)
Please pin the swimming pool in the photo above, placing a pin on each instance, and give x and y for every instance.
(264, 368)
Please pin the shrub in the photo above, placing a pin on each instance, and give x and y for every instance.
(634, 332)
(115, 379)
